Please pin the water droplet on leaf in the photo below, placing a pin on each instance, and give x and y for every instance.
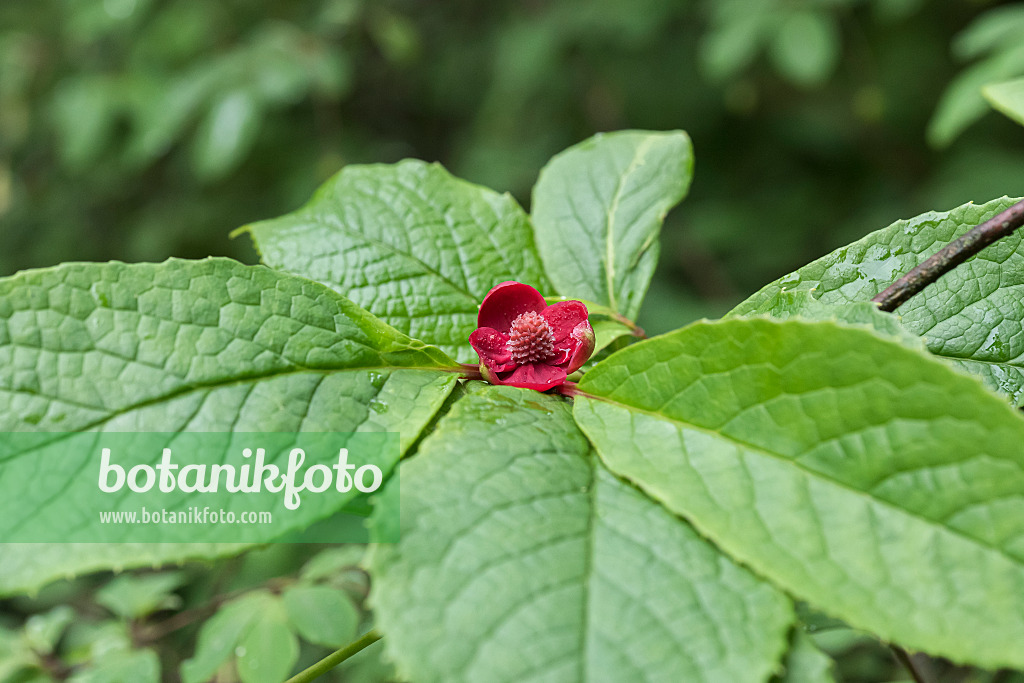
(790, 280)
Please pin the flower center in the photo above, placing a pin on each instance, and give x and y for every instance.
(530, 340)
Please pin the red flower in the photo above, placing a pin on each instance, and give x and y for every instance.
(523, 342)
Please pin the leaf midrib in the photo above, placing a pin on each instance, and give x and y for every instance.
(609, 264)
(588, 557)
(796, 464)
(320, 221)
(968, 359)
(210, 386)
(488, 235)
(318, 218)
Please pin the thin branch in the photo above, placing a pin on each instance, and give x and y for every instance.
(151, 633)
(950, 256)
(335, 658)
(145, 634)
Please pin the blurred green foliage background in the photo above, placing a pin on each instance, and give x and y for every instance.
(142, 129)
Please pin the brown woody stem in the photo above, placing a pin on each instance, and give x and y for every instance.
(950, 256)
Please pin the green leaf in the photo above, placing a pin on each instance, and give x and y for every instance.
(321, 614)
(384, 524)
(805, 663)
(598, 209)
(87, 641)
(973, 316)
(84, 112)
(194, 346)
(414, 245)
(801, 304)
(36, 677)
(134, 666)
(162, 111)
(536, 564)
(999, 27)
(132, 596)
(220, 635)
(226, 133)
(1007, 98)
(733, 42)
(962, 104)
(863, 476)
(286, 64)
(397, 37)
(43, 631)
(806, 47)
(817, 622)
(329, 563)
(15, 656)
(268, 650)
(606, 332)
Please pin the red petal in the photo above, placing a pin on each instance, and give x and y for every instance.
(573, 351)
(538, 376)
(492, 347)
(584, 334)
(506, 302)
(563, 317)
(563, 354)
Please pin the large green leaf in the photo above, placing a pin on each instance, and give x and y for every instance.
(861, 475)
(195, 346)
(409, 242)
(597, 212)
(523, 559)
(800, 303)
(973, 316)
